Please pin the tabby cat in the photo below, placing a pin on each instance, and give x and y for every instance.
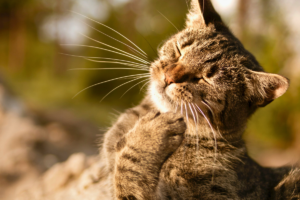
(184, 140)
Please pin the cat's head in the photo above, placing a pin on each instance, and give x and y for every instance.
(205, 67)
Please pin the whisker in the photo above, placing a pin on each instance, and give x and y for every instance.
(112, 47)
(129, 76)
(187, 124)
(197, 135)
(181, 108)
(192, 113)
(133, 87)
(126, 64)
(110, 29)
(203, 102)
(144, 85)
(176, 107)
(210, 128)
(208, 107)
(186, 112)
(168, 20)
(215, 157)
(121, 86)
(133, 49)
(81, 45)
(196, 127)
(92, 69)
(148, 44)
(104, 58)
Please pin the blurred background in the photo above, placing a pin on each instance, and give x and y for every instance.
(38, 83)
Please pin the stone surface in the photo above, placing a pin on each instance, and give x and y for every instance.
(32, 142)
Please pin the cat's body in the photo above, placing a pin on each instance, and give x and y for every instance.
(192, 172)
(184, 141)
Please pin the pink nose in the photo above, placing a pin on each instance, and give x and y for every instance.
(169, 80)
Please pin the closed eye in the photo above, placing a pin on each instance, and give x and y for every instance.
(195, 79)
(178, 48)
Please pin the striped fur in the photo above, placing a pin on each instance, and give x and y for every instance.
(184, 141)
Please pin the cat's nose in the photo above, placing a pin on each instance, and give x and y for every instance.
(168, 80)
(175, 74)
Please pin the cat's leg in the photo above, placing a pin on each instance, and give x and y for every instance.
(142, 152)
(123, 125)
(289, 187)
(125, 122)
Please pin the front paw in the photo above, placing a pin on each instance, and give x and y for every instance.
(158, 133)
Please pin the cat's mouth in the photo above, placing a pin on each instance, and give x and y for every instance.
(170, 97)
(179, 93)
(177, 97)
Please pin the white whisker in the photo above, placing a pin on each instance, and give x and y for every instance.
(203, 102)
(144, 85)
(81, 45)
(92, 69)
(120, 63)
(181, 108)
(168, 21)
(196, 127)
(121, 86)
(111, 29)
(187, 124)
(196, 130)
(193, 114)
(129, 76)
(186, 112)
(117, 49)
(133, 87)
(133, 49)
(214, 134)
(104, 58)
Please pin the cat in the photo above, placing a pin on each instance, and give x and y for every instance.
(184, 140)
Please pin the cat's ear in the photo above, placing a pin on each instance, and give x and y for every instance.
(202, 13)
(266, 87)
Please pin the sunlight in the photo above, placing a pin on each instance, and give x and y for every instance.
(225, 7)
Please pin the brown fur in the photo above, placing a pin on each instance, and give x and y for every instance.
(184, 141)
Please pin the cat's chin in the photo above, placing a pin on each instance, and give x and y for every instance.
(167, 99)
(161, 99)
(171, 93)
(179, 93)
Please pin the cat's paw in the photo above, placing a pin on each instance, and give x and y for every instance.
(159, 133)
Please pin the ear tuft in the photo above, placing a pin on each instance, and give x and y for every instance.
(202, 13)
(268, 87)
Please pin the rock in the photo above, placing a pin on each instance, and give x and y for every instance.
(31, 142)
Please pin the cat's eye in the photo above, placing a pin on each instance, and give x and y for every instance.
(212, 71)
(196, 79)
(178, 49)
